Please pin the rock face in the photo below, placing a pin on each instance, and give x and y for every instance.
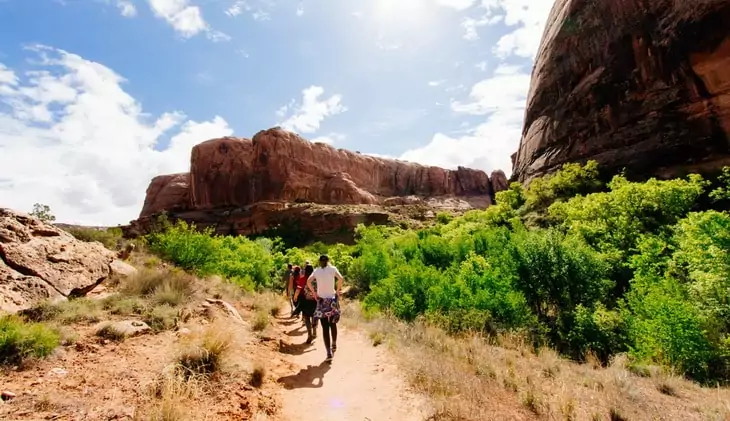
(242, 186)
(636, 84)
(40, 261)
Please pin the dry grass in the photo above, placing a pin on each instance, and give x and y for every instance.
(261, 321)
(206, 354)
(257, 376)
(78, 310)
(268, 303)
(108, 331)
(474, 377)
(164, 286)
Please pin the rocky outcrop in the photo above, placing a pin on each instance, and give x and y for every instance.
(39, 261)
(241, 186)
(637, 84)
(167, 192)
(277, 165)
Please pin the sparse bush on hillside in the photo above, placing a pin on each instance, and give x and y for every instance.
(20, 340)
(109, 237)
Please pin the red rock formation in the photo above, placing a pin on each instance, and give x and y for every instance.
(499, 181)
(280, 166)
(167, 192)
(245, 186)
(39, 261)
(636, 84)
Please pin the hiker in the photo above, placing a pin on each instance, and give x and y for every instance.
(327, 296)
(300, 282)
(308, 305)
(288, 286)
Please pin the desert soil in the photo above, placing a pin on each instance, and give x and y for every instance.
(90, 380)
(361, 383)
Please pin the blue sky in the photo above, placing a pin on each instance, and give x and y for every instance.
(98, 96)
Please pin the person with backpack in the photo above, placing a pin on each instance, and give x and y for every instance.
(307, 305)
(327, 292)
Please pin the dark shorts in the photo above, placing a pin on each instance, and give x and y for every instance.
(308, 307)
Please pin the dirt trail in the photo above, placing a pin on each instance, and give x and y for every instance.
(362, 383)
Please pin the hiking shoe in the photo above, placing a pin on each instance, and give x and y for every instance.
(310, 339)
(334, 349)
(329, 358)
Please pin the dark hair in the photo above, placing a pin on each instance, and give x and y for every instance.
(324, 258)
(297, 270)
(288, 265)
(308, 270)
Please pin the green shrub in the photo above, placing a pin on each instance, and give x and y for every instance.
(20, 340)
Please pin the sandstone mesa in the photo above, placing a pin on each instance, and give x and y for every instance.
(242, 186)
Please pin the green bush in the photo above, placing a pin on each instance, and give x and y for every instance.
(20, 340)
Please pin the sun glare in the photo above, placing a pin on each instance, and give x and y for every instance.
(401, 10)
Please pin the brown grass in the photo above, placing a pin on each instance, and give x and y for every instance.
(474, 377)
(206, 355)
(108, 331)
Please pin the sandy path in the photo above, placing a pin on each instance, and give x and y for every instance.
(360, 384)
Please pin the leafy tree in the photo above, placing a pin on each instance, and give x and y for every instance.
(42, 212)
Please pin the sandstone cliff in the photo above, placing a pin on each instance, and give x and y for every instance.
(636, 84)
(39, 261)
(242, 186)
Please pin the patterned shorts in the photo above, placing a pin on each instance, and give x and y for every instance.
(328, 308)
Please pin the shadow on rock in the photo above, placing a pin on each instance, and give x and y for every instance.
(312, 376)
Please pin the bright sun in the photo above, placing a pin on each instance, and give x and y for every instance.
(400, 10)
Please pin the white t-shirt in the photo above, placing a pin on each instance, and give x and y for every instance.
(325, 277)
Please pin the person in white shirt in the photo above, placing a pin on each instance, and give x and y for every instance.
(327, 292)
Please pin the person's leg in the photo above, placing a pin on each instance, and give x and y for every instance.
(308, 324)
(333, 332)
(326, 336)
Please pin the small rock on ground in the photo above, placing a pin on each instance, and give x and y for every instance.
(128, 327)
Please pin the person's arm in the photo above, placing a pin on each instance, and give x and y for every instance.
(340, 281)
(290, 285)
(309, 284)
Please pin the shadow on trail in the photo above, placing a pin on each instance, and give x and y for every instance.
(296, 331)
(312, 376)
(295, 349)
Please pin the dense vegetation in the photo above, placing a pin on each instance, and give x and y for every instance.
(571, 262)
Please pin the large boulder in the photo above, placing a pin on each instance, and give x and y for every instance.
(39, 261)
(637, 84)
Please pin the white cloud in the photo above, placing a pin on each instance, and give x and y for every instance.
(529, 16)
(482, 65)
(187, 20)
(436, 82)
(307, 117)
(259, 9)
(126, 8)
(7, 76)
(501, 98)
(72, 138)
(459, 5)
(300, 10)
